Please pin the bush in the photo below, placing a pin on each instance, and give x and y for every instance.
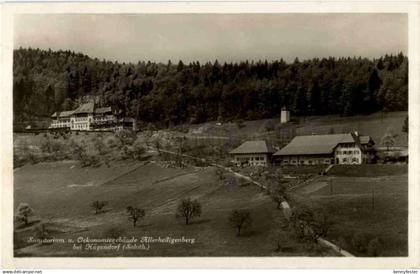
(52, 146)
(360, 242)
(126, 137)
(90, 160)
(270, 126)
(98, 206)
(239, 219)
(240, 124)
(100, 146)
(23, 212)
(134, 151)
(374, 247)
(342, 243)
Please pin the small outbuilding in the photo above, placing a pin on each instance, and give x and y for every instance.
(254, 153)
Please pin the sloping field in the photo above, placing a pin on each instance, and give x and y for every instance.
(61, 194)
(375, 125)
(373, 204)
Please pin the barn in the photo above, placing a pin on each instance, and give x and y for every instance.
(254, 153)
(350, 148)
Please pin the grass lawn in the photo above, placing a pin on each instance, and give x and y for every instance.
(60, 194)
(374, 203)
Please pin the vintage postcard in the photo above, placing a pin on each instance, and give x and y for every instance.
(222, 135)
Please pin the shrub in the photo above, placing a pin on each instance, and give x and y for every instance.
(98, 206)
(90, 160)
(283, 243)
(126, 137)
(52, 146)
(239, 219)
(360, 242)
(220, 174)
(321, 224)
(270, 126)
(240, 124)
(100, 146)
(111, 142)
(135, 214)
(342, 243)
(374, 247)
(135, 151)
(23, 212)
(188, 209)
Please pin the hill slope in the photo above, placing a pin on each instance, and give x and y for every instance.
(374, 125)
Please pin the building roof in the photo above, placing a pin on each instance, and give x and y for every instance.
(364, 140)
(63, 114)
(252, 147)
(66, 113)
(85, 108)
(318, 144)
(103, 110)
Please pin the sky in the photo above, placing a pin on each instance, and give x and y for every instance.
(207, 37)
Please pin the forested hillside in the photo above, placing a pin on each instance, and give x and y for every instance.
(48, 81)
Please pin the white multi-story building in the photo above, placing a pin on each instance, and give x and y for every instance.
(87, 117)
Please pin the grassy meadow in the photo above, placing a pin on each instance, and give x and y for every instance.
(364, 202)
(374, 125)
(52, 179)
(60, 194)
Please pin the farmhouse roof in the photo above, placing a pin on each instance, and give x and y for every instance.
(62, 113)
(85, 108)
(66, 113)
(252, 147)
(316, 144)
(364, 140)
(103, 110)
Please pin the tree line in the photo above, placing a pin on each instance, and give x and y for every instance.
(45, 81)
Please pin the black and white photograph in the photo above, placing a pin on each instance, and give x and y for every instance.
(211, 135)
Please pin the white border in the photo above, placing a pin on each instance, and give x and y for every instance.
(10, 9)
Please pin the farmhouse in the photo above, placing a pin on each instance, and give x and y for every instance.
(88, 117)
(326, 149)
(255, 153)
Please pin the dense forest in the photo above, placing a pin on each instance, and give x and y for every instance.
(46, 81)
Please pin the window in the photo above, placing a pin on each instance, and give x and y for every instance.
(344, 160)
(349, 152)
(355, 160)
(285, 161)
(293, 161)
(310, 162)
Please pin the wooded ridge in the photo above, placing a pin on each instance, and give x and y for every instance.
(45, 81)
